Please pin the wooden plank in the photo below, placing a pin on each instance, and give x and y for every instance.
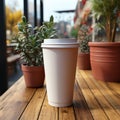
(112, 96)
(100, 98)
(115, 87)
(48, 112)
(95, 108)
(66, 113)
(82, 111)
(11, 91)
(34, 107)
(14, 101)
(93, 100)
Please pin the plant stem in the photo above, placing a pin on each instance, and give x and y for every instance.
(114, 24)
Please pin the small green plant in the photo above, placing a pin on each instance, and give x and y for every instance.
(29, 41)
(84, 36)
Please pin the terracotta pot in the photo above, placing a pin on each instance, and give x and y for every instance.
(105, 60)
(34, 75)
(60, 58)
(83, 61)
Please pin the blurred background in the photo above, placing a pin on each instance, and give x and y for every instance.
(62, 10)
(36, 11)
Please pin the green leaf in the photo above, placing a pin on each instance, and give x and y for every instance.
(51, 18)
(24, 19)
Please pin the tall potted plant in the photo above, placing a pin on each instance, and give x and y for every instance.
(84, 36)
(29, 41)
(105, 56)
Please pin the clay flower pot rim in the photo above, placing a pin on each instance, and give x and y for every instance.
(31, 66)
(104, 43)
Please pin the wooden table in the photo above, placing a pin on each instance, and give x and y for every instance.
(93, 100)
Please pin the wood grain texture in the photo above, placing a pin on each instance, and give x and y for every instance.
(81, 109)
(66, 113)
(48, 112)
(95, 108)
(106, 106)
(15, 100)
(34, 107)
(92, 100)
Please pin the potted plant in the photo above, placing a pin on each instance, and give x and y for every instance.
(29, 41)
(83, 26)
(105, 55)
(60, 58)
(84, 36)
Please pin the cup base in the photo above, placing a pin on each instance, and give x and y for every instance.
(60, 104)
